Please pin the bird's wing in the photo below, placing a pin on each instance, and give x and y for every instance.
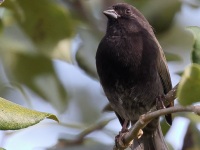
(165, 79)
(164, 73)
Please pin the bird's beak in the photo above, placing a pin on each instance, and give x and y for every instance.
(111, 13)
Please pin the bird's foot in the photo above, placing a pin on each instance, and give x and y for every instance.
(160, 102)
(119, 139)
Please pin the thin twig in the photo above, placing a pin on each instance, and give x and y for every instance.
(80, 138)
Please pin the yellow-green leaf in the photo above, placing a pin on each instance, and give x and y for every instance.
(189, 87)
(14, 116)
(196, 45)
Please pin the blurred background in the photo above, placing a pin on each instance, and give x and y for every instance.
(47, 63)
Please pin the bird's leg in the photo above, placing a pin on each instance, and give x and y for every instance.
(160, 105)
(124, 130)
(160, 102)
(124, 126)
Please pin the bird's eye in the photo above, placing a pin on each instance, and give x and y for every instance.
(127, 11)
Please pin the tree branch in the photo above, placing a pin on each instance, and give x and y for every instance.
(171, 95)
(125, 140)
(146, 118)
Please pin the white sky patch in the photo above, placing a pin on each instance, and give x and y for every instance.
(177, 132)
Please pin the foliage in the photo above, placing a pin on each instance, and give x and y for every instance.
(15, 117)
(33, 35)
(189, 86)
(188, 91)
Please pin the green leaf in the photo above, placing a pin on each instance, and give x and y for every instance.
(196, 45)
(14, 116)
(172, 57)
(45, 22)
(194, 118)
(38, 74)
(189, 86)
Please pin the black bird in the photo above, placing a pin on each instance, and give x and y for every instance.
(133, 72)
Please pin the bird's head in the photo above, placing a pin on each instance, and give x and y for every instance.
(120, 10)
(126, 15)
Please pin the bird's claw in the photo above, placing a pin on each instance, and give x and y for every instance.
(119, 140)
(160, 102)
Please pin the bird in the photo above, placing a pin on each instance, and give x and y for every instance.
(133, 72)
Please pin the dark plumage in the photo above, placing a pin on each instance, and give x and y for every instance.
(132, 70)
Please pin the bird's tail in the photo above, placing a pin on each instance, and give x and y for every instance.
(153, 141)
